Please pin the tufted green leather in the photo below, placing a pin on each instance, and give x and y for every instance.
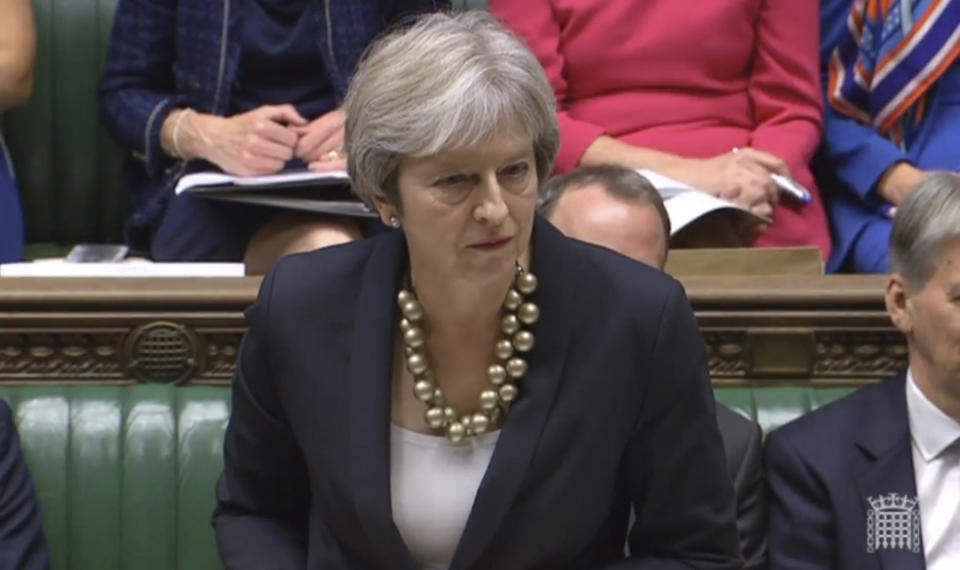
(774, 406)
(67, 166)
(126, 476)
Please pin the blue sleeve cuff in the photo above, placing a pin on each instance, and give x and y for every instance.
(858, 154)
(862, 173)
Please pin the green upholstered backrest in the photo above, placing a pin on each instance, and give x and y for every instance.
(125, 476)
(67, 167)
(773, 406)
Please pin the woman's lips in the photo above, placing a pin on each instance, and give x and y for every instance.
(491, 245)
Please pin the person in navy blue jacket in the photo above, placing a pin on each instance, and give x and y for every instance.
(250, 86)
(872, 481)
(890, 121)
(22, 543)
(472, 389)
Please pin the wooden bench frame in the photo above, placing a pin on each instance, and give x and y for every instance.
(824, 330)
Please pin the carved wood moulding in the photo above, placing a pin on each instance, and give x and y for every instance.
(189, 331)
(155, 352)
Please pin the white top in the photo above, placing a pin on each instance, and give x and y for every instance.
(936, 467)
(432, 486)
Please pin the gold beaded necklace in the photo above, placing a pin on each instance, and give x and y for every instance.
(507, 369)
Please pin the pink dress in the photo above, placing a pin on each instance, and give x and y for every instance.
(691, 78)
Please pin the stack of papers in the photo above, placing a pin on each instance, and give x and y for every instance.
(321, 192)
(686, 204)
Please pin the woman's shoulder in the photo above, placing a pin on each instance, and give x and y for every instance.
(327, 275)
(620, 286)
(620, 274)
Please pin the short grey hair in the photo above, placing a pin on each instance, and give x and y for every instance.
(924, 223)
(447, 81)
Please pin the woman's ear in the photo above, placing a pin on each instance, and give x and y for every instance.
(897, 299)
(388, 213)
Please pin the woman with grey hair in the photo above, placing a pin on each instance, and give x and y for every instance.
(472, 389)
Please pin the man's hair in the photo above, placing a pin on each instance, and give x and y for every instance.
(924, 223)
(617, 180)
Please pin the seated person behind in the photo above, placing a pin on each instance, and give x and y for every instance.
(248, 95)
(873, 480)
(18, 54)
(638, 85)
(22, 543)
(440, 396)
(889, 120)
(617, 208)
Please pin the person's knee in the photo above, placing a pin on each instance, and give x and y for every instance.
(325, 233)
(289, 234)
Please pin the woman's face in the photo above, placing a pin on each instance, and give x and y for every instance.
(468, 213)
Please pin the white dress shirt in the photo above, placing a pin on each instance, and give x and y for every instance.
(433, 483)
(936, 467)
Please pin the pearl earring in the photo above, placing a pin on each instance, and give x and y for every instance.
(394, 222)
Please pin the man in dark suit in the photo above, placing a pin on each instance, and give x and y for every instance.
(618, 208)
(873, 481)
(22, 544)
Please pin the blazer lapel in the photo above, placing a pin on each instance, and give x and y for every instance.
(525, 422)
(369, 402)
(889, 480)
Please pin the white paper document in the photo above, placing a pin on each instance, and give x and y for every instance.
(60, 268)
(303, 190)
(684, 203)
(200, 180)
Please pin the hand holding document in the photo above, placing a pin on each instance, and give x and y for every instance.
(686, 204)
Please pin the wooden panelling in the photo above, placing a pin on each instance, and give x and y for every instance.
(828, 330)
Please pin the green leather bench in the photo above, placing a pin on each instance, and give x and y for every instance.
(126, 476)
(67, 166)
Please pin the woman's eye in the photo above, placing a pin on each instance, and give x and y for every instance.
(455, 180)
(516, 170)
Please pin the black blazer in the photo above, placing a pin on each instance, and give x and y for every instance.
(743, 443)
(22, 543)
(823, 468)
(615, 409)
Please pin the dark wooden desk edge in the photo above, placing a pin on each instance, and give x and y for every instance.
(824, 330)
(820, 292)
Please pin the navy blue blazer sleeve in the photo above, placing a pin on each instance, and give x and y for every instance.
(263, 495)
(676, 449)
(800, 532)
(138, 89)
(22, 543)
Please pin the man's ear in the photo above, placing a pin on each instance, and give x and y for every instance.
(897, 299)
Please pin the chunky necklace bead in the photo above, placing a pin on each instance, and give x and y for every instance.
(503, 374)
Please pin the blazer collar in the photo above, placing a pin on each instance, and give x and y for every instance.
(884, 439)
(553, 264)
(371, 372)
(369, 400)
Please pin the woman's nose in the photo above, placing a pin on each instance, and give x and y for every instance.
(492, 208)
